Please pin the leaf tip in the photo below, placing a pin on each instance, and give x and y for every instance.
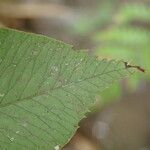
(127, 65)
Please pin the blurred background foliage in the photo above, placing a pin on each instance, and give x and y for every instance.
(112, 29)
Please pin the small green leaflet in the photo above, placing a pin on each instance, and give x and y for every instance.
(46, 87)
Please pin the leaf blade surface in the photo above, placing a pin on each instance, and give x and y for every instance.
(46, 87)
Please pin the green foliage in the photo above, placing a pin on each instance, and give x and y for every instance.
(133, 11)
(46, 88)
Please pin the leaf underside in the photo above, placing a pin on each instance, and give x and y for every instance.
(46, 87)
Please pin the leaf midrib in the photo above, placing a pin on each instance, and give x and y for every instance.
(45, 92)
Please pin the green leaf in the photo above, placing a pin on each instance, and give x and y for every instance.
(46, 88)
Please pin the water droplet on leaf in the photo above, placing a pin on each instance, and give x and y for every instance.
(14, 65)
(12, 139)
(17, 132)
(2, 94)
(57, 147)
